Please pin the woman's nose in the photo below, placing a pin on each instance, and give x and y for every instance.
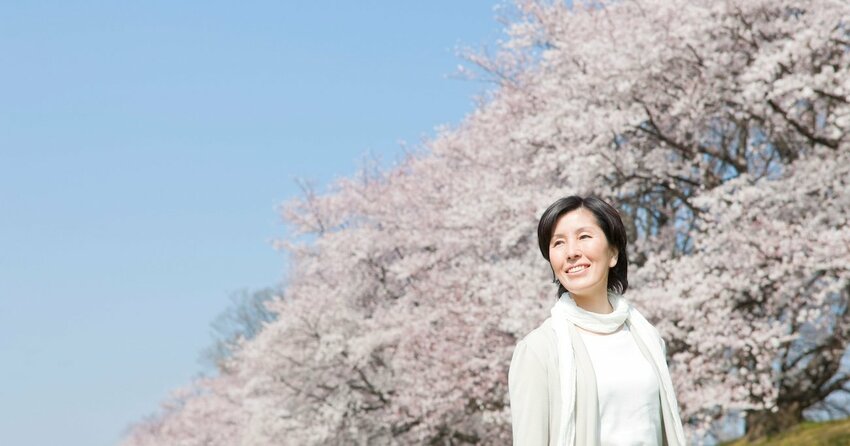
(573, 251)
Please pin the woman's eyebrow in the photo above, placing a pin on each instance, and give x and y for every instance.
(583, 228)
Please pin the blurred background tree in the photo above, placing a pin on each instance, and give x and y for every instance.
(241, 321)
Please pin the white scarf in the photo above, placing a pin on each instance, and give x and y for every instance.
(574, 363)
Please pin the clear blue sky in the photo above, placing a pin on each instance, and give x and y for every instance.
(144, 147)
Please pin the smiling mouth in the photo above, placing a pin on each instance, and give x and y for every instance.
(577, 269)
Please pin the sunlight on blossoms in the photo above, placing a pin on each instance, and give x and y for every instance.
(719, 130)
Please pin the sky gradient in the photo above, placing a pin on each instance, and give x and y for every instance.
(144, 148)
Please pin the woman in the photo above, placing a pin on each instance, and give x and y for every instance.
(594, 373)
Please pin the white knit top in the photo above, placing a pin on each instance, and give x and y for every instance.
(629, 401)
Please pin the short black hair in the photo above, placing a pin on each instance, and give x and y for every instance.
(607, 218)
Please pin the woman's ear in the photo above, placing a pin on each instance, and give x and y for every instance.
(614, 258)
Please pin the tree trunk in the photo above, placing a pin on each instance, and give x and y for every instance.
(763, 423)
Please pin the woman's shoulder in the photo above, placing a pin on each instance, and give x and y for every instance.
(636, 318)
(542, 340)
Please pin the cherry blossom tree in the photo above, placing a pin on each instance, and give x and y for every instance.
(719, 130)
(207, 412)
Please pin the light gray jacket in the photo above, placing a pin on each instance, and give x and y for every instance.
(535, 388)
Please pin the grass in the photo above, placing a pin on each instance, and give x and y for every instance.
(830, 433)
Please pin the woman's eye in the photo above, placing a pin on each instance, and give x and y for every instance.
(583, 236)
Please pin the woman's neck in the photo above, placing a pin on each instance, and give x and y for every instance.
(597, 303)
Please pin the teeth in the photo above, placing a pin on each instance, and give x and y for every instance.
(576, 269)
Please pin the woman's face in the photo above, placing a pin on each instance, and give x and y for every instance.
(580, 254)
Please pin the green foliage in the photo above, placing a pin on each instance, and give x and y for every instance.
(831, 433)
